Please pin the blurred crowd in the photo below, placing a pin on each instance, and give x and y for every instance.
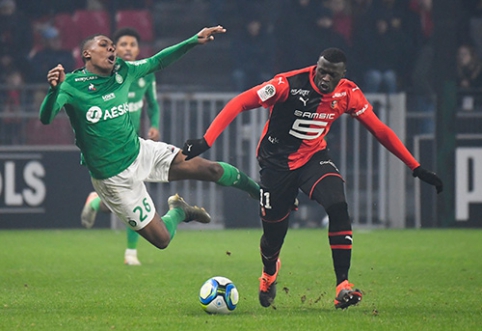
(389, 43)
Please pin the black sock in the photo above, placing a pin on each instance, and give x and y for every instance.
(340, 237)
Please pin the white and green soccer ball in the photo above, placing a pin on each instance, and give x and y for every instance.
(218, 295)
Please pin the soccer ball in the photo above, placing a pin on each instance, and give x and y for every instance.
(218, 295)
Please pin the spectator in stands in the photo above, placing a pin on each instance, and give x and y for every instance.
(301, 17)
(11, 124)
(35, 9)
(326, 36)
(50, 55)
(421, 81)
(381, 67)
(342, 18)
(469, 68)
(252, 55)
(16, 38)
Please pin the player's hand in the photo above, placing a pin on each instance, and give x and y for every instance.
(429, 177)
(194, 147)
(207, 34)
(154, 134)
(56, 75)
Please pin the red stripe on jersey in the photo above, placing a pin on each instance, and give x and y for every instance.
(340, 233)
(319, 180)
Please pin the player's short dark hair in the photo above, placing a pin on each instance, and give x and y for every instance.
(131, 32)
(84, 43)
(334, 55)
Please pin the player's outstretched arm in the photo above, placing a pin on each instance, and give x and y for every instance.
(245, 101)
(429, 177)
(51, 104)
(173, 53)
(207, 34)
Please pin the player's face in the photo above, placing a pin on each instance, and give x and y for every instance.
(101, 55)
(328, 75)
(127, 48)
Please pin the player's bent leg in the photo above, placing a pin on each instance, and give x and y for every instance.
(197, 168)
(329, 192)
(221, 173)
(156, 232)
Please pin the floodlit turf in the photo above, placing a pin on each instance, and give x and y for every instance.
(75, 280)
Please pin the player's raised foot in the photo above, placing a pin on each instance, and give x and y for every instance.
(130, 258)
(193, 213)
(267, 286)
(87, 217)
(346, 296)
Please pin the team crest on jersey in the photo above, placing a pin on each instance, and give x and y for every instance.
(92, 87)
(333, 104)
(266, 92)
(141, 82)
(118, 78)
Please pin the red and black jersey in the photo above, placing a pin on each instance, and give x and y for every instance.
(301, 116)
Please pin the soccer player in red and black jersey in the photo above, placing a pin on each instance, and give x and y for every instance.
(292, 154)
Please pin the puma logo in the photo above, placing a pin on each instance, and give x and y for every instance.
(304, 101)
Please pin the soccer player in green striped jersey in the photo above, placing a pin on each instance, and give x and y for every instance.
(127, 42)
(95, 98)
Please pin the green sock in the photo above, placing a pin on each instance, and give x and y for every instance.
(172, 219)
(95, 204)
(232, 176)
(132, 239)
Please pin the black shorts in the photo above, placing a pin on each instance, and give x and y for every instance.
(280, 188)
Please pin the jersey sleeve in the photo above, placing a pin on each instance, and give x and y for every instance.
(153, 110)
(263, 95)
(273, 91)
(161, 60)
(53, 102)
(384, 135)
(244, 101)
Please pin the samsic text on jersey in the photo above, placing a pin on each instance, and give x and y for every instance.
(301, 116)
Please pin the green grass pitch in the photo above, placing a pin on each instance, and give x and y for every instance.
(75, 280)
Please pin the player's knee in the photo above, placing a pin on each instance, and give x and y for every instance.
(215, 170)
(163, 244)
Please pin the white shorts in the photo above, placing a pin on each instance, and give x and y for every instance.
(126, 194)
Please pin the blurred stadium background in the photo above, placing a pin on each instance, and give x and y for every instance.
(433, 48)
